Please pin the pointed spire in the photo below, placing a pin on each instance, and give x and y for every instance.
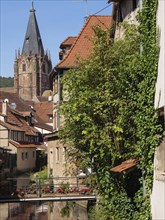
(19, 52)
(15, 54)
(49, 56)
(33, 43)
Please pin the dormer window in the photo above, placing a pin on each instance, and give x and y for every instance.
(61, 55)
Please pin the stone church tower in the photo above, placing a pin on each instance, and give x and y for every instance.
(33, 65)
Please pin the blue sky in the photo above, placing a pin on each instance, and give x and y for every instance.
(57, 19)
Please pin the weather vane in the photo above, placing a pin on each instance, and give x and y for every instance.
(32, 4)
(32, 10)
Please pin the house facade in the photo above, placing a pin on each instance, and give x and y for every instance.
(124, 11)
(18, 140)
(23, 125)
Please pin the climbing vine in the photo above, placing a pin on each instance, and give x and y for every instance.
(149, 131)
(110, 115)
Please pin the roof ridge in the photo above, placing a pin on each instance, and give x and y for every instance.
(80, 34)
(74, 41)
(102, 16)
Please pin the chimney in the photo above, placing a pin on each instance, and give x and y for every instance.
(4, 106)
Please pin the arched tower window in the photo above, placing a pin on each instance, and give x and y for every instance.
(23, 67)
(43, 67)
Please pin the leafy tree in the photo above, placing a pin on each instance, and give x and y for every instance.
(110, 116)
(98, 115)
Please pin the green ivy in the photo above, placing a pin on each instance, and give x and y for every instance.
(146, 118)
(110, 115)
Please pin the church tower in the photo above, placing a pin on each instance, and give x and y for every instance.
(33, 65)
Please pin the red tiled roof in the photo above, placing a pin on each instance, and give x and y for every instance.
(15, 118)
(22, 145)
(43, 110)
(68, 41)
(82, 46)
(44, 126)
(126, 165)
(41, 113)
(14, 98)
(16, 121)
(42, 98)
(9, 126)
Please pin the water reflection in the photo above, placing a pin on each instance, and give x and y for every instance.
(44, 211)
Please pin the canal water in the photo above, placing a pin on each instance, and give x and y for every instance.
(44, 211)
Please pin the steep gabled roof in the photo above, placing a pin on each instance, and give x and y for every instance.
(33, 43)
(82, 46)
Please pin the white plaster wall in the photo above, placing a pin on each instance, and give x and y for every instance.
(3, 136)
(4, 211)
(158, 197)
(158, 192)
(26, 164)
(160, 84)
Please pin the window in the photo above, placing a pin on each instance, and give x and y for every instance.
(57, 154)
(51, 172)
(20, 136)
(55, 120)
(38, 84)
(15, 136)
(64, 154)
(119, 14)
(56, 86)
(50, 116)
(23, 67)
(33, 154)
(43, 67)
(23, 156)
(26, 155)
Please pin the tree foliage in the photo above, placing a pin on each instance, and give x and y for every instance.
(6, 82)
(110, 115)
